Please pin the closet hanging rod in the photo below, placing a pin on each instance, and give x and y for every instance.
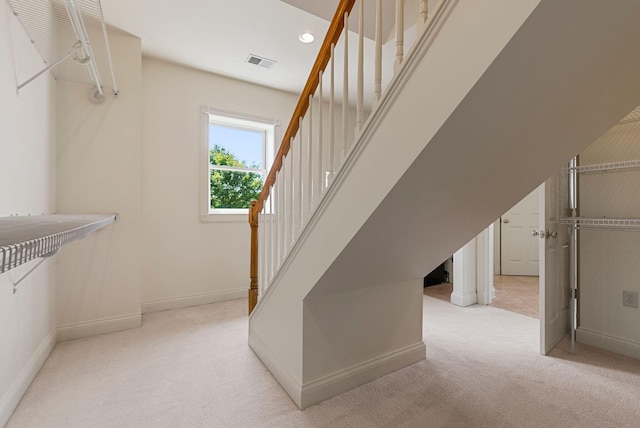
(116, 91)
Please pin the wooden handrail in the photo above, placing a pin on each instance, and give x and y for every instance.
(324, 55)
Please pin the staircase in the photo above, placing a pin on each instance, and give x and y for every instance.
(493, 98)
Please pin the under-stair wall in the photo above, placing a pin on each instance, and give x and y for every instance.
(496, 97)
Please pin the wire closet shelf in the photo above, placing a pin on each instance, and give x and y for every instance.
(49, 24)
(25, 238)
(604, 223)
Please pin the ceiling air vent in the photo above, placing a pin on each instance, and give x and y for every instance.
(260, 61)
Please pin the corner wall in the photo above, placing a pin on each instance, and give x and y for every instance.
(27, 186)
(186, 261)
(609, 260)
(98, 165)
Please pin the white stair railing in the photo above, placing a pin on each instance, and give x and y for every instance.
(309, 158)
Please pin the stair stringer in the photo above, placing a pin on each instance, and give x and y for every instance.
(485, 115)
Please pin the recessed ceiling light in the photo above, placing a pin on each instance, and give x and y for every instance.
(306, 37)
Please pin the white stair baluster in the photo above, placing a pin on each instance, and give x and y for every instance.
(291, 197)
(293, 184)
(345, 90)
(272, 233)
(423, 15)
(360, 96)
(278, 221)
(332, 117)
(399, 35)
(300, 201)
(377, 79)
(309, 175)
(320, 153)
(284, 177)
(282, 218)
(262, 255)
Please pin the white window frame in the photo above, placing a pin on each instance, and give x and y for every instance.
(239, 121)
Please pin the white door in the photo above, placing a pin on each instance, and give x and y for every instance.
(554, 263)
(519, 253)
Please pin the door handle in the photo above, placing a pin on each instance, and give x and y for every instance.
(550, 234)
(505, 220)
(535, 233)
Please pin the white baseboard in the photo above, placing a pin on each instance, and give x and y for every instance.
(10, 401)
(610, 343)
(329, 386)
(287, 381)
(464, 299)
(192, 300)
(100, 326)
(344, 380)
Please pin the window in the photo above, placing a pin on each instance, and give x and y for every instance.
(238, 152)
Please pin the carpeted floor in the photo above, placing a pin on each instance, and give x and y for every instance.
(192, 368)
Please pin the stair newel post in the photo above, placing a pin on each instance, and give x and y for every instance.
(360, 96)
(399, 35)
(377, 79)
(253, 289)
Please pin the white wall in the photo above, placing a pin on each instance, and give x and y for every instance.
(184, 260)
(27, 177)
(609, 260)
(98, 166)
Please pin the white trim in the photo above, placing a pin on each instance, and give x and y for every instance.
(611, 343)
(288, 382)
(464, 299)
(192, 299)
(241, 117)
(240, 121)
(14, 394)
(101, 326)
(359, 374)
(226, 217)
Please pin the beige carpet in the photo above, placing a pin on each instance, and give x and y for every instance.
(192, 368)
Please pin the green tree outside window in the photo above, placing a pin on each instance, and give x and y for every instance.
(231, 188)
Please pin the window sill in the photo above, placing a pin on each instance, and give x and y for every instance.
(236, 216)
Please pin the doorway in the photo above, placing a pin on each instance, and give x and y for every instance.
(473, 270)
(517, 250)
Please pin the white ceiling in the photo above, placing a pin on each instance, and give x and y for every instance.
(219, 35)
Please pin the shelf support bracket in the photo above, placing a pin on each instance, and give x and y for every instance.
(44, 259)
(75, 49)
